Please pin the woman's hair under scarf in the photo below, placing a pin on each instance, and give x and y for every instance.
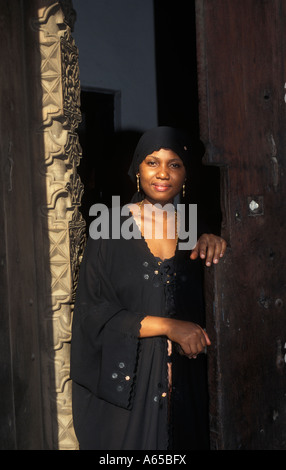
(154, 140)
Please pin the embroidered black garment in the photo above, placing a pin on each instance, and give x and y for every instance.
(120, 382)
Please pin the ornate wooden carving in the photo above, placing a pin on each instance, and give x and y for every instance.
(65, 232)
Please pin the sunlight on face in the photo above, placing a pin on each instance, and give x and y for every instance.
(162, 175)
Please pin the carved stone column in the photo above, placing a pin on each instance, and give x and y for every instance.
(64, 230)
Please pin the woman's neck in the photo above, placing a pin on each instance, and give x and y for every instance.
(155, 203)
(158, 222)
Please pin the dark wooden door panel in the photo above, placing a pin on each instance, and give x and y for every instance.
(242, 89)
(20, 401)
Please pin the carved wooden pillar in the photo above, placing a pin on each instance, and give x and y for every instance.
(62, 227)
(242, 84)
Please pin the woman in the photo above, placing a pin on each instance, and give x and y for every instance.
(139, 320)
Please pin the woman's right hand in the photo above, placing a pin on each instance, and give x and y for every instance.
(191, 338)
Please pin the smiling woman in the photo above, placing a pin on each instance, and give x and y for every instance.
(164, 151)
(139, 319)
(162, 175)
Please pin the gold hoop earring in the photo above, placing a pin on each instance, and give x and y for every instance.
(184, 190)
(138, 182)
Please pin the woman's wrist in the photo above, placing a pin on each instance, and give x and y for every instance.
(155, 326)
(168, 326)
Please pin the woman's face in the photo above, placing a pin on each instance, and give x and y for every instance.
(162, 175)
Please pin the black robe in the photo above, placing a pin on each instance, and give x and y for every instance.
(121, 399)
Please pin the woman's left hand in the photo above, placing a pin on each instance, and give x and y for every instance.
(209, 247)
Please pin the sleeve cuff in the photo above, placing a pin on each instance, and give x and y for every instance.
(118, 368)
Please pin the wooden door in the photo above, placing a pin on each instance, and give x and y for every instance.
(41, 228)
(242, 92)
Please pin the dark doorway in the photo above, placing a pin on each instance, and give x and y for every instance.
(96, 128)
(107, 152)
(177, 92)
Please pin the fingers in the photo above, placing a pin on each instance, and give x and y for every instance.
(194, 351)
(195, 252)
(200, 248)
(208, 341)
(209, 247)
(223, 247)
(190, 337)
(196, 343)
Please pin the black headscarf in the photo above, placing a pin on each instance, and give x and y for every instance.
(153, 140)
